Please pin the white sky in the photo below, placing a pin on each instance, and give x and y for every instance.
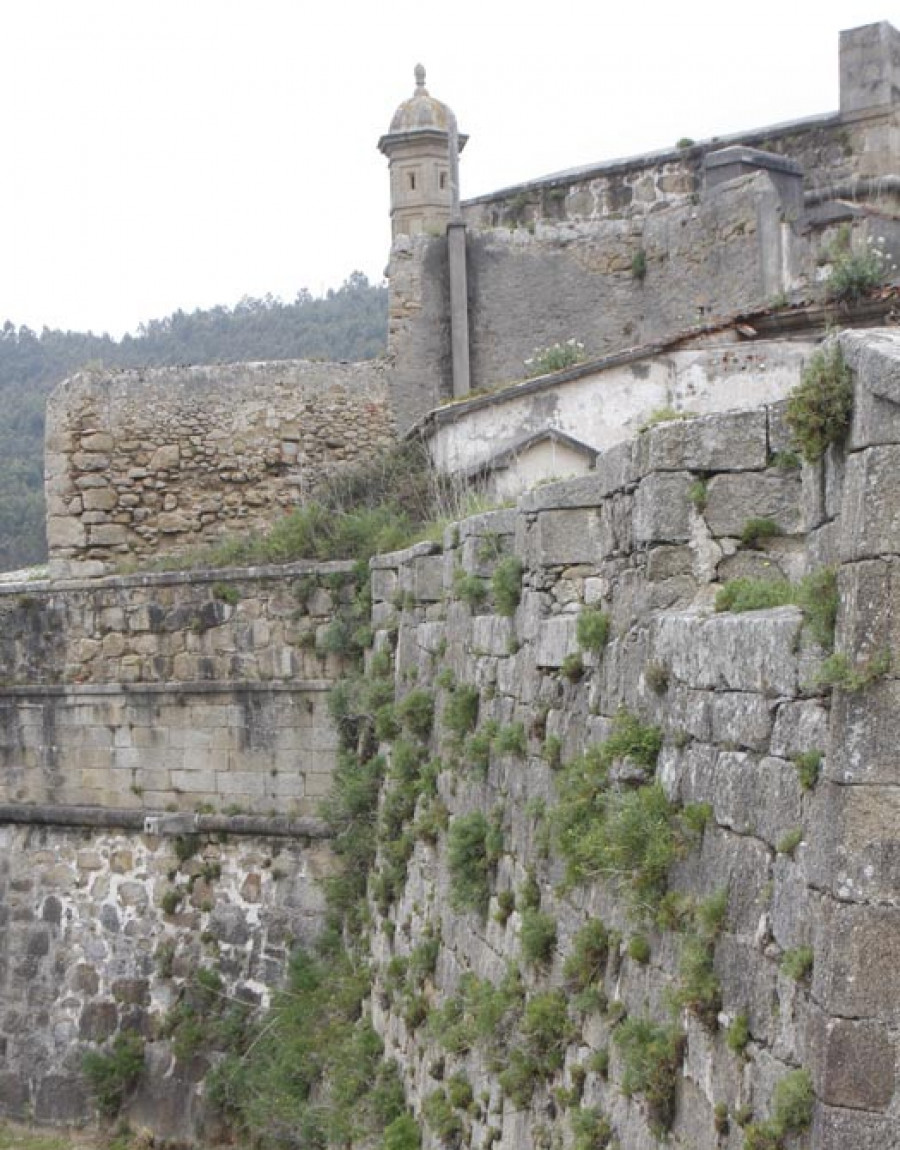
(160, 154)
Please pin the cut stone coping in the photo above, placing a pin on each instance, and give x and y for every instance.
(186, 687)
(184, 577)
(162, 822)
(389, 559)
(667, 155)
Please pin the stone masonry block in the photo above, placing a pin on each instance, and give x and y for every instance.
(384, 584)
(748, 652)
(865, 735)
(732, 499)
(799, 727)
(856, 973)
(869, 619)
(194, 782)
(662, 509)
(874, 357)
(240, 783)
(835, 1128)
(491, 634)
(735, 441)
(854, 1062)
(856, 855)
(428, 581)
(556, 639)
(870, 511)
(564, 537)
(748, 983)
(741, 719)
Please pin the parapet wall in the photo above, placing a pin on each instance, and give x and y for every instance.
(832, 150)
(144, 463)
(802, 978)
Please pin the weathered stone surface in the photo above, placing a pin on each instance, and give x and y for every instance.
(857, 855)
(868, 623)
(665, 562)
(741, 719)
(492, 635)
(866, 730)
(874, 358)
(836, 1129)
(856, 974)
(750, 652)
(735, 441)
(564, 537)
(556, 640)
(731, 500)
(188, 454)
(98, 1021)
(870, 511)
(428, 578)
(855, 1063)
(800, 727)
(61, 1100)
(662, 509)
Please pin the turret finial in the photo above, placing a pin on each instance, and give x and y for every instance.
(420, 79)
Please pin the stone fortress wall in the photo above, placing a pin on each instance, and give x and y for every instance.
(165, 746)
(622, 255)
(720, 233)
(141, 463)
(146, 717)
(116, 914)
(737, 700)
(171, 691)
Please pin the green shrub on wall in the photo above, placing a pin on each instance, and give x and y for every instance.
(506, 583)
(111, 1074)
(471, 853)
(651, 1060)
(818, 409)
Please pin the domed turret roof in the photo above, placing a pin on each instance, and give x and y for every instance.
(421, 112)
(421, 118)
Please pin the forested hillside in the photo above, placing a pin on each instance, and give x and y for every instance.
(349, 323)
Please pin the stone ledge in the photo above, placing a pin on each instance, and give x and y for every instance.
(161, 823)
(188, 687)
(181, 578)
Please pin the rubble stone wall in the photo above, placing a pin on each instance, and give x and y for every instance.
(144, 463)
(104, 932)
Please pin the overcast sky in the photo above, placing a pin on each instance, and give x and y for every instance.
(163, 154)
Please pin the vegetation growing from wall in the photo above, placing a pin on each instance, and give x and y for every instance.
(856, 270)
(816, 595)
(111, 1074)
(554, 357)
(818, 410)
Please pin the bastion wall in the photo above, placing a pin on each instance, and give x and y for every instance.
(737, 698)
(115, 908)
